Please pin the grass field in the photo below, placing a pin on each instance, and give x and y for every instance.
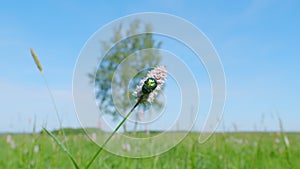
(223, 150)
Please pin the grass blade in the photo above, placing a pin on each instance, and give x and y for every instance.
(62, 146)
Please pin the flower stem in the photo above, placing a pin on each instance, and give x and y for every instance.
(113, 133)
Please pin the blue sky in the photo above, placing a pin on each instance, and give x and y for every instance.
(257, 42)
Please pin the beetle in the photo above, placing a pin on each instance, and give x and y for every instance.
(149, 85)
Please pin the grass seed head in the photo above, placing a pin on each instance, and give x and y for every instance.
(36, 60)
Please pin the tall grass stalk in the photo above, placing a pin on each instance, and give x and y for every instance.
(113, 133)
(39, 66)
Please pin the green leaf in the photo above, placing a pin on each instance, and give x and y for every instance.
(62, 146)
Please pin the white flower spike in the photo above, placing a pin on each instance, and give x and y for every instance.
(150, 85)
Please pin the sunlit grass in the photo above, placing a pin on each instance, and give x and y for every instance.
(223, 150)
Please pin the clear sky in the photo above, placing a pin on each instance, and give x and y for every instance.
(257, 41)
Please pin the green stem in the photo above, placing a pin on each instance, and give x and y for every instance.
(113, 133)
(55, 107)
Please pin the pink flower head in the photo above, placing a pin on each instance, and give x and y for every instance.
(159, 73)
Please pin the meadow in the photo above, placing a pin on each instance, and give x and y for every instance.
(274, 150)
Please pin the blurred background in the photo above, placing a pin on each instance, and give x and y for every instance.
(257, 42)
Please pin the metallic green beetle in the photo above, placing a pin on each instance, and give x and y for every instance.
(149, 85)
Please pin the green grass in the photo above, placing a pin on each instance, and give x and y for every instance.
(223, 150)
